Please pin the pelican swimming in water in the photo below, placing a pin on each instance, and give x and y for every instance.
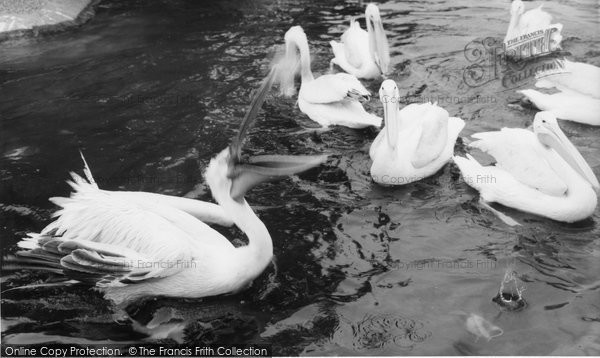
(364, 54)
(539, 172)
(131, 245)
(331, 99)
(416, 141)
(578, 99)
(523, 23)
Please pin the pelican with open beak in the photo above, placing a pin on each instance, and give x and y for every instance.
(416, 141)
(539, 172)
(131, 245)
(364, 54)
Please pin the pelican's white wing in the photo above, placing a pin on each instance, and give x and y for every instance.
(518, 152)
(356, 43)
(332, 88)
(92, 262)
(90, 211)
(434, 131)
(568, 105)
(102, 236)
(201, 210)
(575, 76)
(350, 114)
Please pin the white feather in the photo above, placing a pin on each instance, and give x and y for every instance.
(567, 105)
(577, 77)
(519, 153)
(425, 143)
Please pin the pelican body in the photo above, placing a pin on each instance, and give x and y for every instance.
(578, 99)
(524, 23)
(364, 54)
(416, 141)
(131, 245)
(331, 99)
(539, 172)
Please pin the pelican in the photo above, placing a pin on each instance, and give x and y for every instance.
(331, 99)
(539, 172)
(131, 245)
(364, 54)
(578, 99)
(523, 23)
(416, 141)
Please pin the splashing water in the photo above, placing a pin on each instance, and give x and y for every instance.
(510, 277)
(510, 294)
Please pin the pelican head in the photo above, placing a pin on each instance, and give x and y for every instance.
(378, 43)
(372, 13)
(549, 133)
(517, 8)
(389, 95)
(295, 34)
(228, 176)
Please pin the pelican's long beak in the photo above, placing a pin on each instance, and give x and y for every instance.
(235, 148)
(266, 168)
(389, 97)
(378, 43)
(245, 176)
(557, 140)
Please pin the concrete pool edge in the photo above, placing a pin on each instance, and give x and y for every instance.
(49, 16)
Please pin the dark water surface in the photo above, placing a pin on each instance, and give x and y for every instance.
(151, 90)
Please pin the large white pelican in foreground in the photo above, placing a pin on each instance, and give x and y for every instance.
(539, 172)
(416, 141)
(523, 23)
(578, 99)
(364, 54)
(134, 244)
(328, 99)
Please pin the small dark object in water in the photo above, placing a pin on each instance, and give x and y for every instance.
(510, 301)
(557, 306)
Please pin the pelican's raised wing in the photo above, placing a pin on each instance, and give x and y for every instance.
(333, 88)
(434, 134)
(518, 152)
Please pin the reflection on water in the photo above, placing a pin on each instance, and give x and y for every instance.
(150, 91)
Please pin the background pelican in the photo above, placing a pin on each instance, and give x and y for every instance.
(364, 54)
(578, 98)
(416, 141)
(539, 172)
(328, 99)
(132, 245)
(522, 23)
